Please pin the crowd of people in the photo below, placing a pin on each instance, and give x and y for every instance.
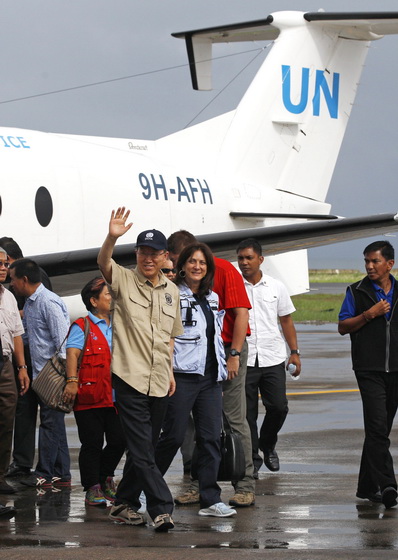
(166, 349)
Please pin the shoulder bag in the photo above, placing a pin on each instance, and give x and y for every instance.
(50, 382)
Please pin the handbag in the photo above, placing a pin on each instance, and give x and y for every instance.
(50, 382)
(233, 463)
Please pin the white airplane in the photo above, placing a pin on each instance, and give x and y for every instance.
(262, 170)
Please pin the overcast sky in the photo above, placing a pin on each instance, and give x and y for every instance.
(51, 45)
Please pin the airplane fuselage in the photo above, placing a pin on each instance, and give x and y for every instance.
(58, 190)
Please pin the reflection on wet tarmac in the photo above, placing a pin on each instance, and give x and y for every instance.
(309, 504)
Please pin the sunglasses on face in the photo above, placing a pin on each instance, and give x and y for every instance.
(168, 270)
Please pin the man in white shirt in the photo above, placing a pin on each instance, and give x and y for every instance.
(11, 331)
(270, 301)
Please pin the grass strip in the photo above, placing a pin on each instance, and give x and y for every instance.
(317, 308)
(336, 275)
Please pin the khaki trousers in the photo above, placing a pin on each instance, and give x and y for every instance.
(8, 404)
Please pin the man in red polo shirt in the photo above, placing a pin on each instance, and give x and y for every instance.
(229, 287)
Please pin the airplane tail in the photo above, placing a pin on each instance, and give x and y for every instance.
(287, 130)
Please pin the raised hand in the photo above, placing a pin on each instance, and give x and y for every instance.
(117, 223)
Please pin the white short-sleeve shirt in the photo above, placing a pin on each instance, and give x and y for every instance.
(10, 322)
(269, 299)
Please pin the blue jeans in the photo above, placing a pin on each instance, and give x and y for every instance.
(53, 446)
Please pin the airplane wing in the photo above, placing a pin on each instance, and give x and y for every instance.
(275, 240)
(293, 237)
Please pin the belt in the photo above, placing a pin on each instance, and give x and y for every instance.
(5, 358)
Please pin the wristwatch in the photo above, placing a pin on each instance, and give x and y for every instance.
(234, 352)
(297, 351)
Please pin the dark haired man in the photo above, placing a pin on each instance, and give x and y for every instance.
(24, 447)
(11, 330)
(146, 319)
(266, 373)
(369, 315)
(47, 323)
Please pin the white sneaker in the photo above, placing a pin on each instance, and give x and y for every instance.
(218, 510)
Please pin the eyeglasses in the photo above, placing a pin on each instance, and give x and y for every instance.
(150, 255)
(5, 264)
(168, 270)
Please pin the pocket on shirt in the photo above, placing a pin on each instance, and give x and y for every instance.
(168, 315)
(138, 310)
(186, 357)
(90, 391)
(91, 388)
(270, 298)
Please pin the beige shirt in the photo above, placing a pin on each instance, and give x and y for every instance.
(10, 322)
(144, 320)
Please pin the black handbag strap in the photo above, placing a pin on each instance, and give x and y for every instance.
(225, 425)
(86, 331)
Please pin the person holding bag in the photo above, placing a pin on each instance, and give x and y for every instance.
(46, 323)
(90, 388)
(199, 367)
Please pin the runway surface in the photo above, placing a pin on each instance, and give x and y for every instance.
(306, 510)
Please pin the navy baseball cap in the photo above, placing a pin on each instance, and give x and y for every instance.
(152, 238)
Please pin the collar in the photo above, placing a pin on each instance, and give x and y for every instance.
(36, 293)
(261, 281)
(94, 319)
(184, 289)
(377, 288)
(143, 281)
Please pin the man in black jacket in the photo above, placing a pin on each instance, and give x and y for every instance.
(369, 314)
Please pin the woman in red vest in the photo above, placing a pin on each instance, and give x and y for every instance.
(90, 387)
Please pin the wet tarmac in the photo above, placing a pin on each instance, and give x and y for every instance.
(328, 287)
(306, 510)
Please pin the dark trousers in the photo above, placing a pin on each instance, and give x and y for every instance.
(8, 403)
(25, 429)
(379, 393)
(188, 445)
(97, 462)
(142, 418)
(203, 396)
(25, 423)
(271, 382)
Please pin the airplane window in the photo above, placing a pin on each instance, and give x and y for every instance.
(43, 206)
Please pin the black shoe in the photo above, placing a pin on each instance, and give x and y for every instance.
(389, 497)
(7, 511)
(271, 459)
(15, 471)
(6, 488)
(255, 473)
(372, 496)
(35, 481)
